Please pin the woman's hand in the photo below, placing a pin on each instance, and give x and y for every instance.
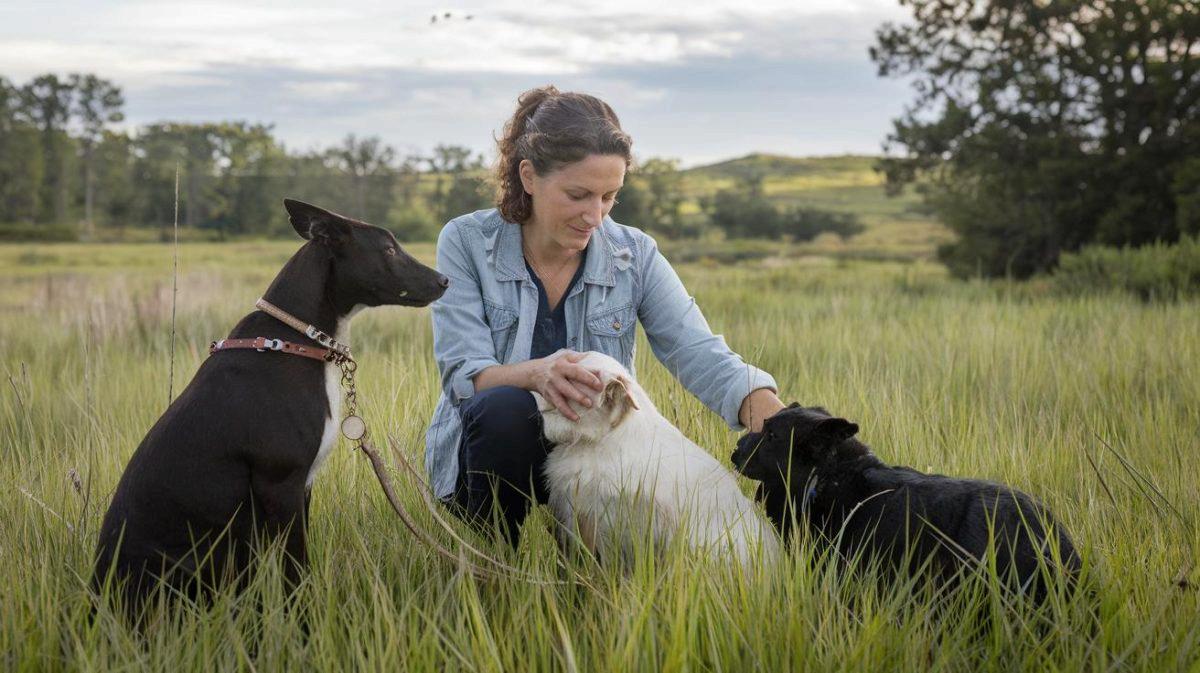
(560, 379)
(759, 405)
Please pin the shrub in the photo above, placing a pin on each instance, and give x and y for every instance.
(805, 224)
(412, 221)
(37, 232)
(1153, 272)
(747, 213)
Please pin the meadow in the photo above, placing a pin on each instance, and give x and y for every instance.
(1091, 403)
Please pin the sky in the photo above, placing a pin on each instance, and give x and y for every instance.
(698, 81)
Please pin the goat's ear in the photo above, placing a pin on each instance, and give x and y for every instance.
(313, 223)
(838, 429)
(618, 400)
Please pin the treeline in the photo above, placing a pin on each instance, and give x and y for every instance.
(68, 170)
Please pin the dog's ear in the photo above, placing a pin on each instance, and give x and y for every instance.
(313, 223)
(618, 400)
(837, 429)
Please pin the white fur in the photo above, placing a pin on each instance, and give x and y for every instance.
(603, 478)
(333, 393)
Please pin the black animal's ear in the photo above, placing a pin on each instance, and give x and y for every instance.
(838, 429)
(794, 405)
(313, 223)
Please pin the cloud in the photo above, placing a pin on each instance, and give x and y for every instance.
(695, 79)
(135, 40)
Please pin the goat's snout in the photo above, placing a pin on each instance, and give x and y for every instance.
(443, 282)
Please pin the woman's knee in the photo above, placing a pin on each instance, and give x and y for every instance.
(501, 412)
(502, 436)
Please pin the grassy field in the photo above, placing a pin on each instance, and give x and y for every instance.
(983, 379)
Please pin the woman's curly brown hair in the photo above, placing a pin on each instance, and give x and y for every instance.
(551, 129)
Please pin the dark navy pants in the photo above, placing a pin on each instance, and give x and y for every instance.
(500, 459)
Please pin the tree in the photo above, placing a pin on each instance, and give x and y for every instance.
(367, 162)
(159, 150)
(97, 104)
(1042, 125)
(743, 211)
(662, 207)
(633, 204)
(247, 160)
(46, 102)
(114, 170)
(746, 212)
(468, 192)
(459, 186)
(805, 224)
(443, 160)
(21, 167)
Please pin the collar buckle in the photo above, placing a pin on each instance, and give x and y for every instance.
(271, 345)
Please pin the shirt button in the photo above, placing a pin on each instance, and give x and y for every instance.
(617, 324)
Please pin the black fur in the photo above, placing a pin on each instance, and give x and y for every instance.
(813, 471)
(225, 466)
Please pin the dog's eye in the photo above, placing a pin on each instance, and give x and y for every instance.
(391, 250)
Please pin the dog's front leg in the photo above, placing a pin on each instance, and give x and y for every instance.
(586, 524)
(574, 527)
(282, 506)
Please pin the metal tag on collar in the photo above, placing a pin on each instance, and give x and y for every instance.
(354, 428)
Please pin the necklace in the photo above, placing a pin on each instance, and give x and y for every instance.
(551, 279)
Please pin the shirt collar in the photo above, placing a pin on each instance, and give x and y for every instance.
(504, 249)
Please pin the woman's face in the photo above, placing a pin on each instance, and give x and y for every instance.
(570, 203)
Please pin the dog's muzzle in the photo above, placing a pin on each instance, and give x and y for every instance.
(745, 448)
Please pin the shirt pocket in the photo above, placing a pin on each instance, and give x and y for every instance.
(611, 332)
(503, 322)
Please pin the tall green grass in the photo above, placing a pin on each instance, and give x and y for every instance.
(980, 379)
(1159, 271)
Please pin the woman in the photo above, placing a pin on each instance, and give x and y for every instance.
(545, 271)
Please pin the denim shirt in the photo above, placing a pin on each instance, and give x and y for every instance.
(487, 316)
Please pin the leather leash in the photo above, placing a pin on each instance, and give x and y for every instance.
(300, 326)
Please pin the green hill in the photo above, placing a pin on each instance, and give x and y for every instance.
(783, 165)
(896, 226)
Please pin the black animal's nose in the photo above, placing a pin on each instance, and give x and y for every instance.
(443, 281)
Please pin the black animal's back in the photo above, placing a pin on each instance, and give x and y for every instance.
(810, 467)
(220, 429)
(232, 456)
(906, 516)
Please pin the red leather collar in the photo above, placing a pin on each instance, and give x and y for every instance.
(263, 344)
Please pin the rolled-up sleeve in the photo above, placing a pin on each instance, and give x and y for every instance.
(682, 340)
(462, 340)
